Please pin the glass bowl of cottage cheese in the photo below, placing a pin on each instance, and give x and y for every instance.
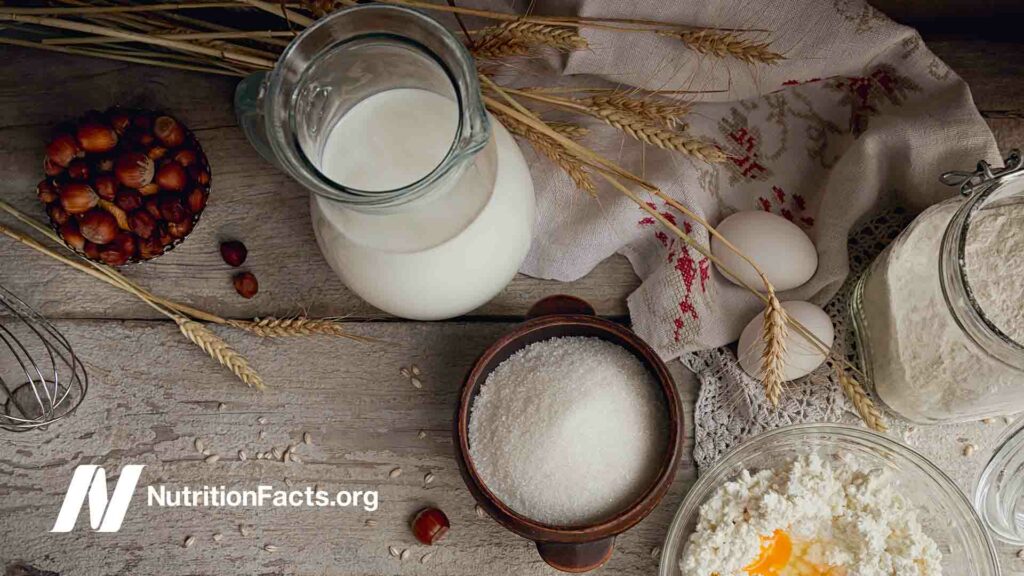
(826, 500)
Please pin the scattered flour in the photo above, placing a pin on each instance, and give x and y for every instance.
(849, 518)
(923, 365)
(568, 431)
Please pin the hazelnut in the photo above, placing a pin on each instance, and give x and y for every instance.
(142, 223)
(119, 121)
(57, 214)
(119, 251)
(199, 175)
(143, 122)
(169, 131)
(46, 192)
(152, 206)
(51, 169)
(197, 200)
(77, 198)
(172, 210)
(71, 235)
(63, 149)
(149, 189)
(78, 170)
(106, 186)
(185, 157)
(134, 169)
(128, 200)
(156, 152)
(233, 252)
(171, 176)
(150, 247)
(179, 229)
(91, 250)
(98, 226)
(95, 138)
(246, 284)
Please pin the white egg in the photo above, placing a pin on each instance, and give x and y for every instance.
(779, 248)
(802, 355)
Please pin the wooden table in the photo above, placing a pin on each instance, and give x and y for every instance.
(152, 394)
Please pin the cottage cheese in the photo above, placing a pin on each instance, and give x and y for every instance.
(845, 517)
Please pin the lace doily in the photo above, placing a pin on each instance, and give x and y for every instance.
(732, 406)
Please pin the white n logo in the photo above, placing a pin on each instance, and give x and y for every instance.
(92, 479)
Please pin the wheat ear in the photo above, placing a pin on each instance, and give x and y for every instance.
(564, 159)
(519, 37)
(865, 406)
(271, 327)
(219, 350)
(773, 358)
(659, 111)
(724, 44)
(641, 129)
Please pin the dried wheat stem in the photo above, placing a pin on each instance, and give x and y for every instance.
(86, 10)
(570, 130)
(862, 402)
(262, 34)
(281, 10)
(773, 358)
(726, 45)
(144, 38)
(219, 350)
(572, 166)
(120, 58)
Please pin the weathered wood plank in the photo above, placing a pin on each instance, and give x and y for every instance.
(152, 394)
(284, 256)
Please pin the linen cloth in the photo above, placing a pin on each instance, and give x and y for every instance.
(860, 117)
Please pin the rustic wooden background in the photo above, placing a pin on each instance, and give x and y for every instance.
(153, 394)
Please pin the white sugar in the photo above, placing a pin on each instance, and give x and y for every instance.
(568, 431)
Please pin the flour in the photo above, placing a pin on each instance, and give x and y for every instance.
(838, 514)
(923, 365)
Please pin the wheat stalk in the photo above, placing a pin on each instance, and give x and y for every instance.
(570, 130)
(519, 37)
(862, 402)
(219, 350)
(271, 327)
(773, 358)
(569, 163)
(659, 111)
(724, 44)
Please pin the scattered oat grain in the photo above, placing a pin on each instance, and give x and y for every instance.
(212, 459)
(307, 438)
(421, 434)
(221, 406)
(295, 458)
(428, 478)
(217, 537)
(480, 511)
(969, 450)
(416, 382)
(405, 372)
(270, 548)
(261, 420)
(393, 551)
(276, 452)
(189, 541)
(242, 456)
(370, 523)
(244, 530)
(426, 557)
(404, 555)
(262, 434)
(415, 370)
(395, 473)
(987, 420)
(656, 552)
(199, 445)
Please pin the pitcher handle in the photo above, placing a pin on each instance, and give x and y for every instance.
(249, 112)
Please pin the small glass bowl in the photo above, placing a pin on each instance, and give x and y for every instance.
(945, 513)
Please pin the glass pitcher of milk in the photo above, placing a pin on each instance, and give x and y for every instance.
(422, 203)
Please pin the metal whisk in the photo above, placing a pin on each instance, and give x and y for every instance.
(41, 379)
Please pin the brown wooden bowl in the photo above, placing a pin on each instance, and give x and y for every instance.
(575, 548)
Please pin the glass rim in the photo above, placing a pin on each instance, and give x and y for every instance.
(471, 134)
(956, 285)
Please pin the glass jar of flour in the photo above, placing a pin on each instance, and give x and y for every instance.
(422, 203)
(939, 315)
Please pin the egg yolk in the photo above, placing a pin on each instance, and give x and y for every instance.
(781, 557)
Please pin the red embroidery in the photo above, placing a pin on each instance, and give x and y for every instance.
(865, 94)
(746, 160)
(791, 210)
(691, 270)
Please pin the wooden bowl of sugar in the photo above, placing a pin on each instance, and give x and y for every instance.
(569, 432)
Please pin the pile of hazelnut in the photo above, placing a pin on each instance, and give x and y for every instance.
(124, 185)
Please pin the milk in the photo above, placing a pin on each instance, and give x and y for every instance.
(444, 253)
